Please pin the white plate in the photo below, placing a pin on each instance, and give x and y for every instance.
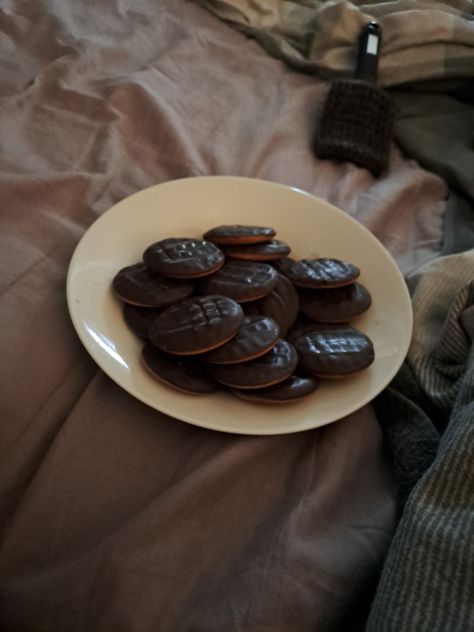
(188, 207)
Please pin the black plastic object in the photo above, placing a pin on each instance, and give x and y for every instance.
(370, 40)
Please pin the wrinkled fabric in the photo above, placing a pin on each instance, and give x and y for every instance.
(422, 39)
(440, 345)
(114, 516)
(427, 582)
(415, 410)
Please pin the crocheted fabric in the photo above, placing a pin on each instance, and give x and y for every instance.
(355, 124)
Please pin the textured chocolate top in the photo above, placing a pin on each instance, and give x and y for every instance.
(334, 350)
(183, 257)
(196, 324)
(318, 273)
(239, 234)
(268, 251)
(139, 285)
(270, 368)
(256, 335)
(292, 389)
(185, 374)
(241, 280)
(336, 304)
(304, 325)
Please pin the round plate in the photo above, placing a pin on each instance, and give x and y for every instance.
(189, 207)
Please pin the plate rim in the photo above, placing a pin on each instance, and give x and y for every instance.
(212, 426)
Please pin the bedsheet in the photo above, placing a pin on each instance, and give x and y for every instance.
(114, 516)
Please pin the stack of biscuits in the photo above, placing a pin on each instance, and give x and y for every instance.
(232, 310)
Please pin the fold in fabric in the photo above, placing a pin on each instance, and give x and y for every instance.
(422, 39)
(440, 345)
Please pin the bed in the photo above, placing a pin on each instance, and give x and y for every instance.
(117, 517)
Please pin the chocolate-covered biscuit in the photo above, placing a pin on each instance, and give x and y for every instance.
(241, 280)
(304, 325)
(255, 336)
(239, 234)
(318, 273)
(196, 325)
(334, 350)
(138, 285)
(281, 304)
(139, 319)
(292, 389)
(183, 258)
(335, 305)
(185, 374)
(251, 308)
(269, 251)
(272, 367)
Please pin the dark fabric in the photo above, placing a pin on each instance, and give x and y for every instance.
(438, 130)
(458, 223)
(434, 124)
(410, 433)
(428, 578)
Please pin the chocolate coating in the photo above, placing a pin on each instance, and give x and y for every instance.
(185, 374)
(196, 324)
(139, 319)
(292, 389)
(335, 305)
(241, 280)
(239, 234)
(282, 304)
(183, 258)
(318, 273)
(138, 285)
(304, 325)
(255, 336)
(269, 251)
(251, 308)
(272, 367)
(334, 350)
